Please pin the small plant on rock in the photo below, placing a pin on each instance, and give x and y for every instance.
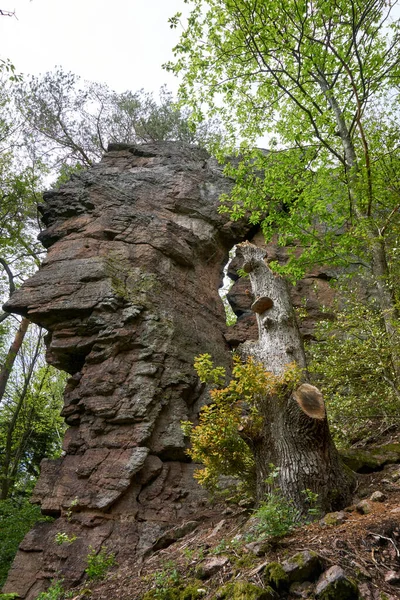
(99, 564)
(55, 592)
(63, 538)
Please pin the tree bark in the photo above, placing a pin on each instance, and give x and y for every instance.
(6, 369)
(295, 436)
(10, 463)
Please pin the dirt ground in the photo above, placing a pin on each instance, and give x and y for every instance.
(366, 546)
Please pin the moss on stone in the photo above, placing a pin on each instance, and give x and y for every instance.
(191, 592)
(275, 575)
(363, 461)
(242, 590)
(344, 589)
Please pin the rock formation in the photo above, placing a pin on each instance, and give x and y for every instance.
(129, 295)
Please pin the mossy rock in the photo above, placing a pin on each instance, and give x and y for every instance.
(363, 461)
(242, 590)
(191, 592)
(303, 566)
(275, 575)
(345, 590)
(334, 585)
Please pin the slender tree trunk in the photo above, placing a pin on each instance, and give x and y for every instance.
(10, 463)
(11, 355)
(295, 435)
(375, 239)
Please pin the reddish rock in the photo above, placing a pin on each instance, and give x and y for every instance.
(129, 294)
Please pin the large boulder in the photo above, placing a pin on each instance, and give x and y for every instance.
(129, 295)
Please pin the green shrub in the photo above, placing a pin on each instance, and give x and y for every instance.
(17, 517)
(353, 367)
(55, 591)
(218, 442)
(99, 564)
(276, 516)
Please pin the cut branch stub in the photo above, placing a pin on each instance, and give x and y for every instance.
(260, 305)
(310, 400)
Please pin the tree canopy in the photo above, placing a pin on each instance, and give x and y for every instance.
(320, 81)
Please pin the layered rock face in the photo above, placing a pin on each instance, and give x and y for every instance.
(129, 294)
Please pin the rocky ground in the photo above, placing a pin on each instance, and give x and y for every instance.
(353, 554)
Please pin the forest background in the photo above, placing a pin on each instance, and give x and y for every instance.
(54, 125)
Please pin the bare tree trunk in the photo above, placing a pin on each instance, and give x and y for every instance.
(10, 463)
(6, 369)
(295, 435)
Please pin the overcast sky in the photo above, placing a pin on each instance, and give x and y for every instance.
(120, 42)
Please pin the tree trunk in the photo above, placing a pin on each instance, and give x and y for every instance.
(10, 462)
(11, 355)
(295, 437)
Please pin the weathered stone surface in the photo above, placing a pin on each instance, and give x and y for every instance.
(334, 584)
(211, 566)
(304, 566)
(378, 496)
(129, 294)
(333, 519)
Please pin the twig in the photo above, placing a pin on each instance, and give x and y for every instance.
(385, 538)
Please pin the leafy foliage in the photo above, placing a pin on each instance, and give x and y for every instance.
(352, 362)
(31, 427)
(74, 122)
(98, 564)
(320, 82)
(55, 592)
(232, 417)
(17, 517)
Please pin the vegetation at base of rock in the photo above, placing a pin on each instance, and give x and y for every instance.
(55, 591)
(222, 440)
(99, 563)
(352, 362)
(275, 575)
(17, 517)
(243, 590)
(275, 517)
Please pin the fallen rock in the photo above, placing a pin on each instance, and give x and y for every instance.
(392, 577)
(211, 566)
(334, 585)
(259, 548)
(378, 497)
(302, 590)
(174, 534)
(333, 518)
(364, 507)
(304, 566)
(363, 461)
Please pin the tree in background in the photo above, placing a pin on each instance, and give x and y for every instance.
(31, 427)
(320, 80)
(66, 122)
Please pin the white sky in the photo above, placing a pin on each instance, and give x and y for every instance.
(122, 42)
